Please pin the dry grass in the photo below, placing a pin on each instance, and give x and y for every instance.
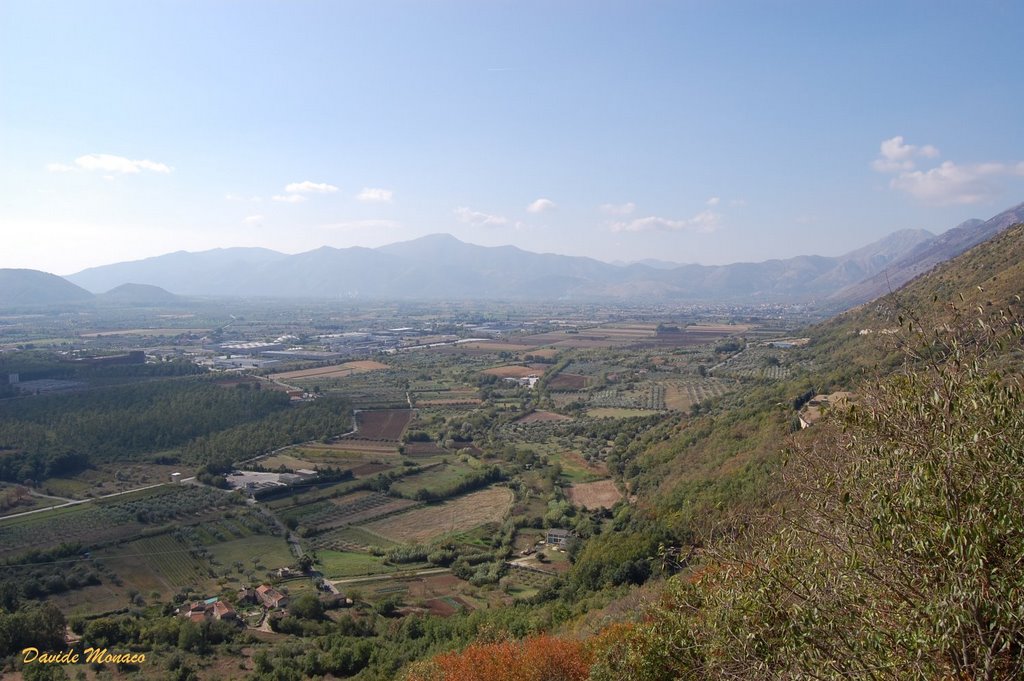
(676, 399)
(600, 494)
(516, 370)
(568, 382)
(333, 371)
(464, 513)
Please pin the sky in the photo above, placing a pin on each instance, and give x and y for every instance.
(688, 131)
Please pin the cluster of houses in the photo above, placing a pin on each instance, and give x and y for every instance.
(216, 609)
(210, 609)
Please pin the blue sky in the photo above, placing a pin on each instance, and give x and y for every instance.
(696, 131)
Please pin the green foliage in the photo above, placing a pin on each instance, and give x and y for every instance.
(41, 626)
(467, 483)
(62, 434)
(308, 421)
(901, 558)
(306, 606)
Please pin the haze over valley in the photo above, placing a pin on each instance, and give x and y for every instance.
(511, 341)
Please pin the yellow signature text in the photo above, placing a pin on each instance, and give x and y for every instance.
(32, 655)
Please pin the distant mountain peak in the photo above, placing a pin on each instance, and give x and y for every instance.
(441, 266)
(23, 288)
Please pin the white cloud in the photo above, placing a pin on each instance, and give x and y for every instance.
(540, 205)
(118, 164)
(947, 183)
(473, 217)
(374, 195)
(108, 163)
(714, 201)
(618, 208)
(705, 221)
(253, 220)
(896, 155)
(289, 198)
(308, 187)
(950, 183)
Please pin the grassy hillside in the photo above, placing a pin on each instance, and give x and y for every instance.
(886, 543)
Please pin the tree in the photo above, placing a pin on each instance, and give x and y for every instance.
(307, 606)
(898, 556)
(538, 657)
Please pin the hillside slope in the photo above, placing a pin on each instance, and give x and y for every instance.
(894, 550)
(926, 255)
(24, 288)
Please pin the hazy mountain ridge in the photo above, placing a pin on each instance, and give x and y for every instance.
(441, 266)
(926, 255)
(138, 294)
(21, 288)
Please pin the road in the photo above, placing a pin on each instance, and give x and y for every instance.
(76, 502)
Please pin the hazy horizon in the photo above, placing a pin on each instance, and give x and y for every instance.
(432, 234)
(685, 132)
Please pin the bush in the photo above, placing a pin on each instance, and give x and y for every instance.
(898, 556)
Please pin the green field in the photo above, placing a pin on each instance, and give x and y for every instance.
(163, 564)
(434, 479)
(272, 552)
(337, 564)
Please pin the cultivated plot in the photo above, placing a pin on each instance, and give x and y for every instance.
(455, 515)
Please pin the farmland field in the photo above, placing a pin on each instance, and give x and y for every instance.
(616, 413)
(496, 346)
(679, 395)
(436, 477)
(357, 445)
(353, 508)
(516, 370)
(336, 564)
(108, 519)
(462, 513)
(540, 416)
(163, 563)
(383, 424)
(273, 552)
(350, 538)
(567, 382)
(600, 494)
(442, 398)
(648, 396)
(333, 371)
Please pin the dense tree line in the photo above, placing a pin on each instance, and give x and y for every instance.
(317, 420)
(61, 434)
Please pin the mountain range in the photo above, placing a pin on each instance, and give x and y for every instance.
(440, 266)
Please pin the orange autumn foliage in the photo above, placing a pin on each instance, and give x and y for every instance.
(539, 658)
